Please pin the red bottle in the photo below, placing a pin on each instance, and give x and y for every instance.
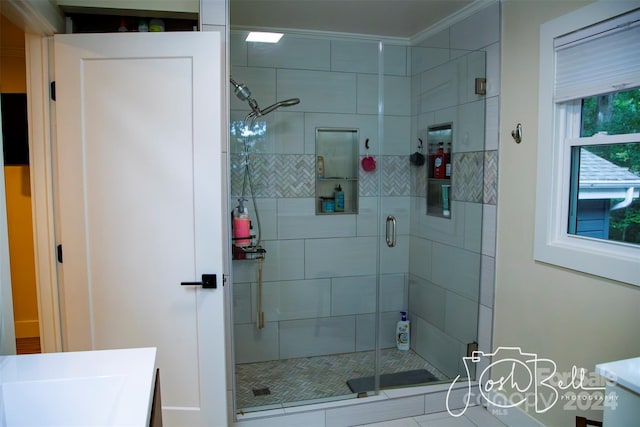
(439, 167)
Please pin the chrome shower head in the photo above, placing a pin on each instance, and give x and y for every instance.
(244, 94)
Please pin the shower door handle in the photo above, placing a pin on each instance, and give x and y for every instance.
(391, 236)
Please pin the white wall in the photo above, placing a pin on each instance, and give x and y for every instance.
(569, 317)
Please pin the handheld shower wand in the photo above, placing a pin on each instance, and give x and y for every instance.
(244, 94)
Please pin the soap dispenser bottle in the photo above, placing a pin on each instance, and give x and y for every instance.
(338, 195)
(402, 332)
(241, 225)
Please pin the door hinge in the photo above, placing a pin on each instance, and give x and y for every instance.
(52, 90)
(59, 253)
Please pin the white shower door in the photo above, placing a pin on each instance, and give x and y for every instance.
(138, 185)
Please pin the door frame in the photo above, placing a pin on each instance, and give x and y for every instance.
(37, 20)
(40, 110)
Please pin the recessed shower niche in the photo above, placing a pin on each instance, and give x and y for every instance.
(336, 171)
(439, 170)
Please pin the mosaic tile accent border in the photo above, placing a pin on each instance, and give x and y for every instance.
(367, 182)
(490, 177)
(475, 176)
(293, 175)
(396, 176)
(418, 180)
(274, 175)
(467, 177)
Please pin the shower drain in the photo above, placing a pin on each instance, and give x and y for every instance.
(261, 391)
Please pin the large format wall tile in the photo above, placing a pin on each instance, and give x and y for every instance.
(457, 270)
(353, 295)
(314, 337)
(256, 345)
(478, 31)
(439, 349)
(299, 299)
(341, 257)
(427, 301)
(321, 92)
(461, 318)
(297, 219)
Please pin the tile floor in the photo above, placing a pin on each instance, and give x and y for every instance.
(473, 417)
(310, 379)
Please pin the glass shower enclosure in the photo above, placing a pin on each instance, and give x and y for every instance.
(347, 216)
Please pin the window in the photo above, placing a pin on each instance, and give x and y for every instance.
(588, 184)
(604, 184)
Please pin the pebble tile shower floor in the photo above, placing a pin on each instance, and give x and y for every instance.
(314, 378)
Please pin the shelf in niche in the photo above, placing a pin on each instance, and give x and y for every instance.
(338, 148)
(439, 137)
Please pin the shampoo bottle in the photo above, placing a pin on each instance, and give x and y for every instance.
(402, 332)
(338, 195)
(439, 167)
(320, 166)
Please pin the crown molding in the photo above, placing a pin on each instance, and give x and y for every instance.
(439, 26)
(450, 20)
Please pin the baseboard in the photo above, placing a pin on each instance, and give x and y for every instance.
(27, 328)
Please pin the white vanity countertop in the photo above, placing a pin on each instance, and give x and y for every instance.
(98, 388)
(624, 372)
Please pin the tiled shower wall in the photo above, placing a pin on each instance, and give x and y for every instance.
(451, 257)
(319, 273)
(319, 287)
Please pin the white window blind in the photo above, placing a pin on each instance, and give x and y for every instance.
(599, 59)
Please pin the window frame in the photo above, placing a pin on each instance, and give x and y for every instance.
(558, 131)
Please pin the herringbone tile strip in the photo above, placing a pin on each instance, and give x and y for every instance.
(491, 177)
(295, 175)
(467, 177)
(418, 181)
(396, 180)
(367, 182)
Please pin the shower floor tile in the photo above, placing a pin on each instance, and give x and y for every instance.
(314, 378)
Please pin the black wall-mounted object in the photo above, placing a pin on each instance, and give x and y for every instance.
(209, 281)
(15, 134)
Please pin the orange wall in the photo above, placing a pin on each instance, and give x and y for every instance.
(13, 75)
(18, 194)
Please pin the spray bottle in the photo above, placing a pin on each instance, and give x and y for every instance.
(402, 332)
(241, 225)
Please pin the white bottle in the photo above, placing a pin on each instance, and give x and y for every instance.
(403, 332)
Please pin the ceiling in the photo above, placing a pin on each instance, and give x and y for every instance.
(389, 18)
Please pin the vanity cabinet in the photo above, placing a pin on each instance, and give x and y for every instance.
(621, 400)
(336, 171)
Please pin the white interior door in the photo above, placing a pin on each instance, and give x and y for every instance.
(139, 186)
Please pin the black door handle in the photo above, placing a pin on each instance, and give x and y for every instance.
(209, 281)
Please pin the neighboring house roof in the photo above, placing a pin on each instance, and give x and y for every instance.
(601, 179)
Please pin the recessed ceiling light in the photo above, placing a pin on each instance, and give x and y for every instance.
(262, 37)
